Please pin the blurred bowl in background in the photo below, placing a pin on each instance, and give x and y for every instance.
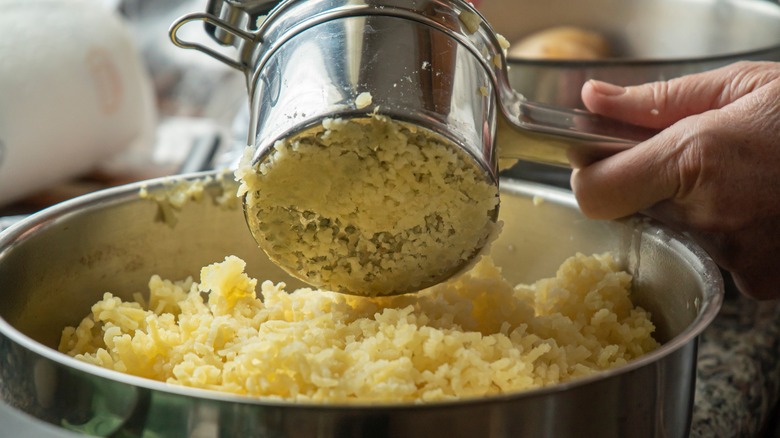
(651, 40)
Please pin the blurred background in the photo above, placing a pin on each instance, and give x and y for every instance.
(93, 94)
(140, 107)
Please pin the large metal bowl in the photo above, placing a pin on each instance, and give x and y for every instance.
(652, 40)
(55, 264)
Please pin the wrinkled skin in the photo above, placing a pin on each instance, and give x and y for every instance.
(712, 172)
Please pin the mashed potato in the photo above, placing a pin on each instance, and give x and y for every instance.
(562, 42)
(368, 206)
(470, 337)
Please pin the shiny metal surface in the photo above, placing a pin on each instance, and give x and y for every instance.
(311, 58)
(55, 264)
(435, 64)
(320, 71)
(653, 40)
(19, 424)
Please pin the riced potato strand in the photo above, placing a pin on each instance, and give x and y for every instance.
(473, 336)
(368, 206)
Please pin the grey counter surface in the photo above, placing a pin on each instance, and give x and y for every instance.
(738, 379)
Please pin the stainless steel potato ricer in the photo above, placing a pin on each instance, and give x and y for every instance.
(436, 64)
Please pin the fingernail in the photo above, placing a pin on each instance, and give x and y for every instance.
(606, 88)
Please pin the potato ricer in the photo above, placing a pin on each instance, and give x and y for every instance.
(432, 71)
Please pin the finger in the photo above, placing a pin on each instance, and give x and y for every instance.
(660, 104)
(632, 180)
(750, 255)
(760, 284)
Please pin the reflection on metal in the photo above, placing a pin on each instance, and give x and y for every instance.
(421, 63)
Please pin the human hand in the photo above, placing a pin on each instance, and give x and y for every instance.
(713, 171)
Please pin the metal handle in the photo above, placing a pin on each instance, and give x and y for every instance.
(560, 136)
(247, 37)
(239, 13)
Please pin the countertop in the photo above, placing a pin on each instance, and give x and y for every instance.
(738, 377)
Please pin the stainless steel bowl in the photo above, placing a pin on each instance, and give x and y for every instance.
(55, 264)
(653, 40)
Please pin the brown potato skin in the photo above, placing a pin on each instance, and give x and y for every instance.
(562, 42)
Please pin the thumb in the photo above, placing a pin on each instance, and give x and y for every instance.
(634, 179)
(660, 104)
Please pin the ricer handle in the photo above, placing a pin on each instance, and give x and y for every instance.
(229, 23)
(560, 136)
(239, 64)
